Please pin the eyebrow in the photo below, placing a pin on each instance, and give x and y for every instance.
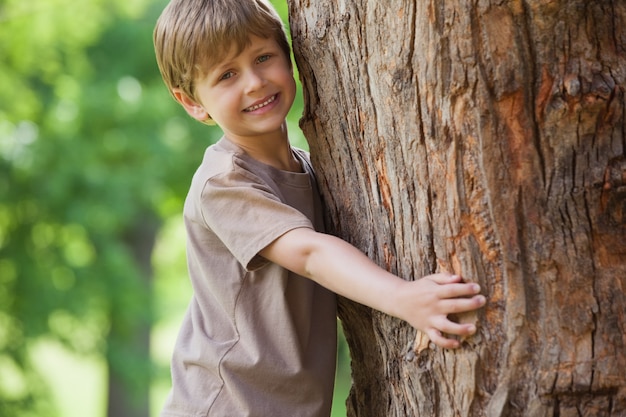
(225, 64)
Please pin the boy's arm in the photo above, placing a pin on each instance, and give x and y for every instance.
(335, 264)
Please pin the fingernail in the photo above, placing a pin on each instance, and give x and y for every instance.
(472, 329)
(481, 299)
(476, 287)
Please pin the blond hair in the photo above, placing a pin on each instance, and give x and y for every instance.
(192, 35)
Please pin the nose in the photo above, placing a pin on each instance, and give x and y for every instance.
(254, 80)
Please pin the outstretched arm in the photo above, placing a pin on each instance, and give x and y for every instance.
(335, 264)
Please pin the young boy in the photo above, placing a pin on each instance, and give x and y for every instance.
(259, 336)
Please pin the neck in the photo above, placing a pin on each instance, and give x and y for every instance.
(273, 150)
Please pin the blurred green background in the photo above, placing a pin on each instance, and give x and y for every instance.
(95, 162)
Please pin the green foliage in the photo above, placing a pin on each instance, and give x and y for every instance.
(94, 156)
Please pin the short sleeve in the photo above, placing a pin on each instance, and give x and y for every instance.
(247, 215)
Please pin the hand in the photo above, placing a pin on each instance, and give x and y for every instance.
(427, 302)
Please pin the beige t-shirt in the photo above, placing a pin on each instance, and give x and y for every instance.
(257, 339)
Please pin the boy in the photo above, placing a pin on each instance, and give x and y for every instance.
(259, 336)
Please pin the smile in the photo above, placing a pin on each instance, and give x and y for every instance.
(258, 106)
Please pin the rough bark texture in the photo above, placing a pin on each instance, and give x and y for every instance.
(487, 139)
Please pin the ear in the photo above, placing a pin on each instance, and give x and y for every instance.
(192, 107)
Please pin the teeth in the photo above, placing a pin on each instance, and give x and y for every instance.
(258, 106)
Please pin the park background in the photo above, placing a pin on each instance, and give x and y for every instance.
(95, 162)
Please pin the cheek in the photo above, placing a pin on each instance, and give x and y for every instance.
(220, 102)
(290, 82)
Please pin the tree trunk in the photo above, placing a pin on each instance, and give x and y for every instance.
(128, 342)
(486, 139)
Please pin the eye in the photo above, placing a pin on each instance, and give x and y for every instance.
(263, 58)
(226, 75)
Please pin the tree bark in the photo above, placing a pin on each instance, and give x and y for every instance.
(487, 139)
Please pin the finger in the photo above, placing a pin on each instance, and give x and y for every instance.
(445, 278)
(458, 290)
(462, 305)
(459, 329)
(437, 338)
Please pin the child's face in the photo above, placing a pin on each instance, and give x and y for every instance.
(247, 94)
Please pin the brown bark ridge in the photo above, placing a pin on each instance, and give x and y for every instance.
(487, 139)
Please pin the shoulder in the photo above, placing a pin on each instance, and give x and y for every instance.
(305, 160)
(218, 159)
(301, 154)
(220, 178)
(223, 162)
